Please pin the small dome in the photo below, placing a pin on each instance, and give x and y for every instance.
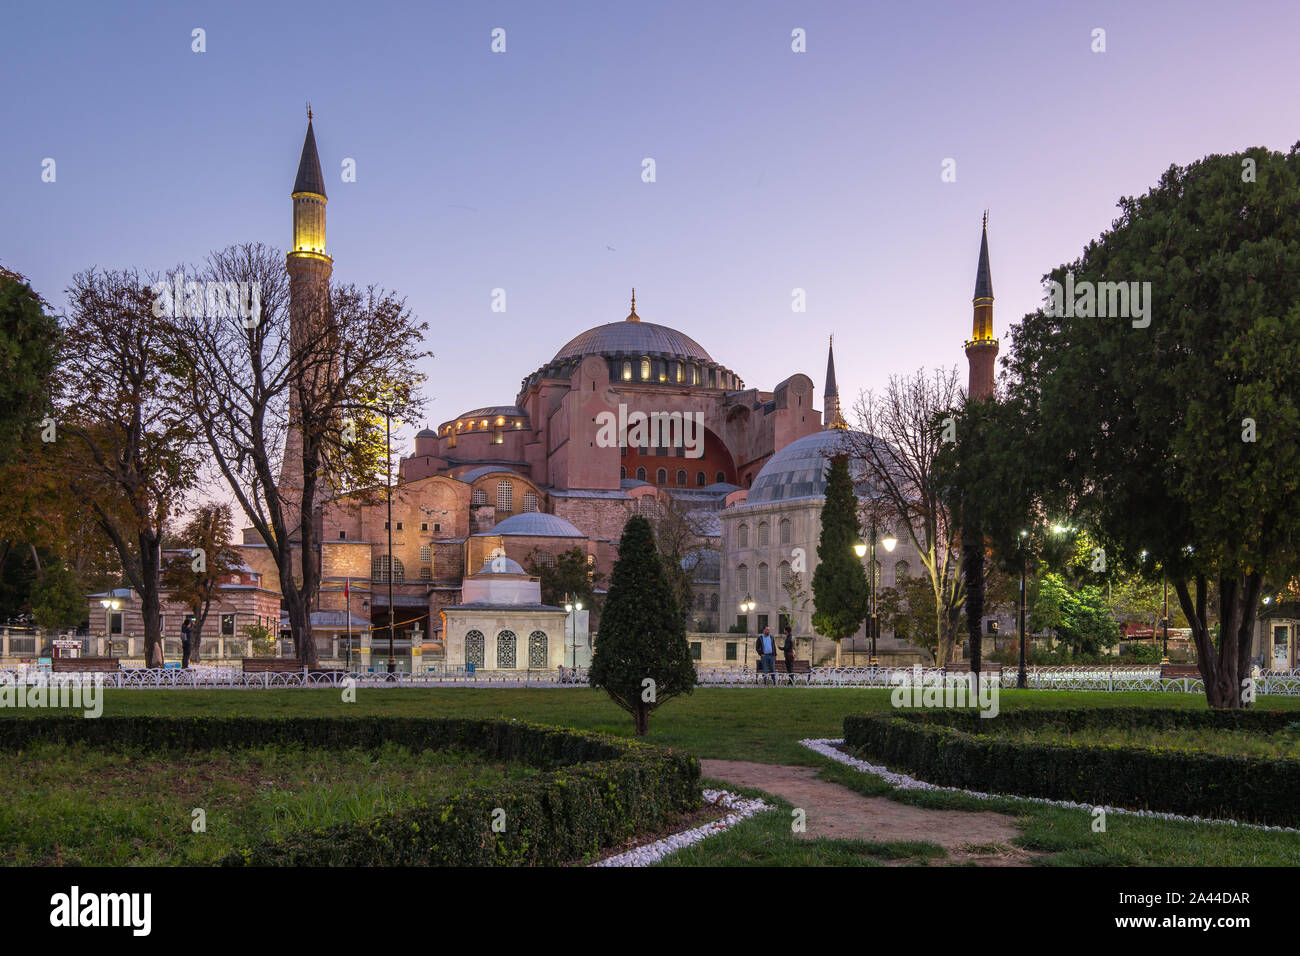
(534, 524)
(799, 469)
(500, 564)
(426, 433)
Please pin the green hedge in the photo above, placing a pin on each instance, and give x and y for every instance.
(953, 749)
(595, 792)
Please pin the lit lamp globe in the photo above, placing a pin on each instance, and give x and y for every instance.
(860, 549)
(890, 543)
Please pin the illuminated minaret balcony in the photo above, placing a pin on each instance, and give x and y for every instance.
(309, 201)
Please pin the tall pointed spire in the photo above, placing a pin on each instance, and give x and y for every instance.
(632, 316)
(831, 417)
(310, 179)
(982, 348)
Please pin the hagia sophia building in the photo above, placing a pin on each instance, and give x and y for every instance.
(496, 490)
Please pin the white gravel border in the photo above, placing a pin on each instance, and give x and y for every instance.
(826, 747)
(741, 808)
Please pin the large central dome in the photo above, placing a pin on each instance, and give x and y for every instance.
(625, 338)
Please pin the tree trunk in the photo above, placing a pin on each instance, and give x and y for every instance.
(150, 600)
(642, 717)
(196, 632)
(973, 569)
(1223, 669)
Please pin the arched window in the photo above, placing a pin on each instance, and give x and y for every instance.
(426, 554)
(700, 479)
(640, 474)
(537, 650)
(764, 534)
(695, 375)
(545, 559)
(474, 649)
(506, 650)
(530, 501)
(901, 572)
(627, 371)
(662, 477)
(762, 579)
(785, 530)
(713, 602)
(478, 497)
(645, 369)
(742, 536)
(677, 372)
(742, 579)
(720, 477)
(505, 496)
(622, 471)
(379, 570)
(681, 476)
(783, 574)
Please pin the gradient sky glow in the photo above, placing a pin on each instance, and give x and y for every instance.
(522, 170)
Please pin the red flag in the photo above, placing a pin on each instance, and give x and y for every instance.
(346, 582)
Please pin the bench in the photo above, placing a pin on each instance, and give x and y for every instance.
(1179, 670)
(963, 667)
(72, 665)
(272, 665)
(800, 667)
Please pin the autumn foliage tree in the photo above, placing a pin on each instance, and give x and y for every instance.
(194, 576)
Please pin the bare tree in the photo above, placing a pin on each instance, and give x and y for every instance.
(130, 454)
(193, 579)
(291, 412)
(900, 434)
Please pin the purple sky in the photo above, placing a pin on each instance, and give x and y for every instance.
(522, 170)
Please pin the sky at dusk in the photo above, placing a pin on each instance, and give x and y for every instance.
(522, 170)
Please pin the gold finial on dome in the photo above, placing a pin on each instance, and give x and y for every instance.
(632, 316)
(309, 111)
(838, 421)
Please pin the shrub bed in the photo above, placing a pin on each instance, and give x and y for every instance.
(951, 748)
(596, 792)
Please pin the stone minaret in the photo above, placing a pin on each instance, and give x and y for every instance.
(831, 417)
(982, 348)
(309, 273)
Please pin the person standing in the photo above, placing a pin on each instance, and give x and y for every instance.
(788, 647)
(767, 655)
(186, 630)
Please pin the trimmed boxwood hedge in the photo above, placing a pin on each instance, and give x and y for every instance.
(952, 748)
(595, 792)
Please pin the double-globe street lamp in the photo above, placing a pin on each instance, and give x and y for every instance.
(890, 542)
(747, 607)
(109, 605)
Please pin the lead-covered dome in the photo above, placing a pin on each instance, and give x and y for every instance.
(799, 469)
(626, 338)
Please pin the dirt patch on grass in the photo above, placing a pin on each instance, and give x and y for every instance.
(836, 812)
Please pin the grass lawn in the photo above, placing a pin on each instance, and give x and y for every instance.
(74, 805)
(764, 725)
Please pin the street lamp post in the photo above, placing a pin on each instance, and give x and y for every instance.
(890, 542)
(388, 481)
(1164, 654)
(1022, 678)
(747, 607)
(110, 605)
(571, 608)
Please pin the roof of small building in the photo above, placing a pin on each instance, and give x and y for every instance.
(500, 564)
(474, 474)
(533, 524)
(799, 469)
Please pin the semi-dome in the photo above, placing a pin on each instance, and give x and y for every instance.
(626, 338)
(799, 469)
(534, 524)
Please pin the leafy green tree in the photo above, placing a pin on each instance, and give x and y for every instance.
(641, 657)
(907, 609)
(569, 575)
(1171, 426)
(58, 601)
(29, 341)
(1079, 617)
(194, 579)
(839, 583)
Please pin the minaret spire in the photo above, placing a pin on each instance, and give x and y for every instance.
(982, 348)
(831, 417)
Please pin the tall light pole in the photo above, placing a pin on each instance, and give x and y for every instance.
(1164, 654)
(388, 482)
(571, 607)
(890, 542)
(1022, 679)
(110, 605)
(746, 607)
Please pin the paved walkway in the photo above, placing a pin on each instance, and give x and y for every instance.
(837, 812)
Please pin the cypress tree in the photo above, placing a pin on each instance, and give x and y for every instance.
(840, 583)
(641, 658)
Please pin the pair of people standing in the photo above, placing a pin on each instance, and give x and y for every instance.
(766, 648)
